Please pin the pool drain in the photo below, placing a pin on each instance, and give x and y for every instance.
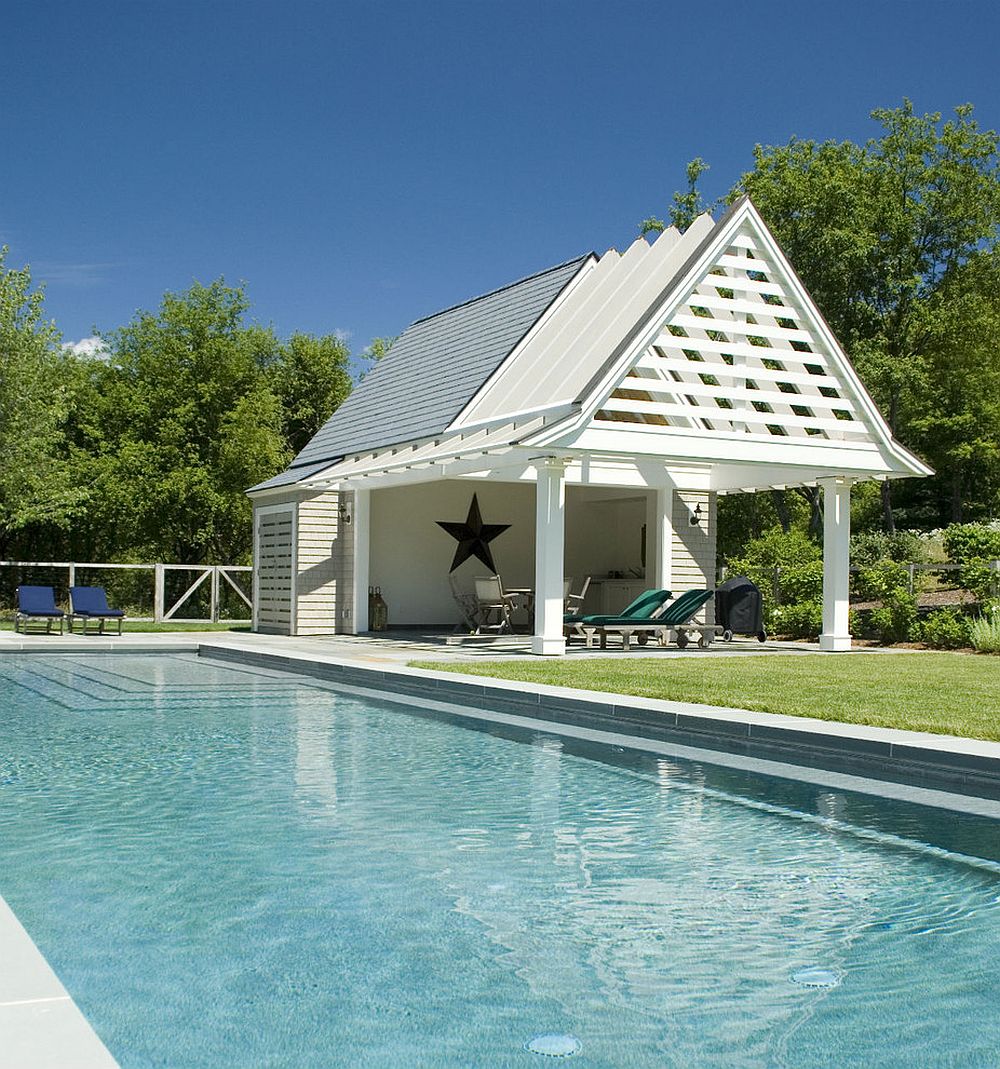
(554, 1045)
(816, 977)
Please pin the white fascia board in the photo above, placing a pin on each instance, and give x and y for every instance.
(275, 495)
(739, 478)
(672, 444)
(554, 309)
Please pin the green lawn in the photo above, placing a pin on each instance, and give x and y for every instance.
(947, 693)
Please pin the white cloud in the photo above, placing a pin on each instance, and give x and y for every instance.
(92, 348)
(65, 273)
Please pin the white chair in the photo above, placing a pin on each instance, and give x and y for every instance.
(493, 605)
(574, 602)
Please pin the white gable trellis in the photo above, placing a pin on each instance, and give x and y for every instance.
(697, 364)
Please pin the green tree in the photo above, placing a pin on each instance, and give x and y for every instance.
(189, 421)
(312, 380)
(686, 206)
(36, 388)
(953, 418)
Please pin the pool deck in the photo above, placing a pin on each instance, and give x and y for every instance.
(40, 1025)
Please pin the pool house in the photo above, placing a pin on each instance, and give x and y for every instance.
(581, 422)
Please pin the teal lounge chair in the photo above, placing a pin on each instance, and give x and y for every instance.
(641, 617)
(676, 620)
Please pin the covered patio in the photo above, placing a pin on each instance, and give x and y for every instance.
(597, 411)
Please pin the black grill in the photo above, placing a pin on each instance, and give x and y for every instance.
(739, 608)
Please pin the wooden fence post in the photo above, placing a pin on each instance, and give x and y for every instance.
(214, 610)
(158, 585)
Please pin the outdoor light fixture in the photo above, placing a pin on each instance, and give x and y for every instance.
(345, 513)
(695, 518)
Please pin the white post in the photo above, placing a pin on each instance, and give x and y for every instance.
(550, 515)
(836, 634)
(214, 602)
(361, 521)
(664, 539)
(158, 592)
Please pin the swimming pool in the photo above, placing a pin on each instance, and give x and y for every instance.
(239, 867)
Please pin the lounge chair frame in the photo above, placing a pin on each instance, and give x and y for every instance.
(83, 617)
(597, 628)
(664, 631)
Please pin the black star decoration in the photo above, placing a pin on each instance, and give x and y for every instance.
(473, 537)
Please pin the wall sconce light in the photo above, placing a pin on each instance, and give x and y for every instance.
(345, 514)
(695, 518)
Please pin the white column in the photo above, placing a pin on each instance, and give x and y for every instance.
(663, 565)
(836, 564)
(361, 522)
(550, 514)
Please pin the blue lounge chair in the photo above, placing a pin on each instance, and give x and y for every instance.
(37, 604)
(91, 603)
(640, 617)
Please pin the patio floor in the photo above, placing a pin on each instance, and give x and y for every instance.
(392, 647)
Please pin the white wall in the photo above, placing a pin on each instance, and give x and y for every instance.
(603, 531)
(411, 555)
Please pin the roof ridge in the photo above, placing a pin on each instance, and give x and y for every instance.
(509, 285)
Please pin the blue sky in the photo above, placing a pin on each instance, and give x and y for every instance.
(361, 164)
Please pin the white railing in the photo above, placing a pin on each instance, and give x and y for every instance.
(165, 607)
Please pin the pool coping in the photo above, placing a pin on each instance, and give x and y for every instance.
(40, 1024)
(920, 759)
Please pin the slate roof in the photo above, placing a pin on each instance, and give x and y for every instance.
(432, 371)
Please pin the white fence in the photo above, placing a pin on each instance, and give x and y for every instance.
(221, 578)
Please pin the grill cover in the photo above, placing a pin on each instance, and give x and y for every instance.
(739, 607)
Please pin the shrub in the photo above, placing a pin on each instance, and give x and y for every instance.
(804, 620)
(895, 619)
(984, 632)
(946, 629)
(876, 581)
(904, 547)
(974, 545)
(802, 583)
(964, 542)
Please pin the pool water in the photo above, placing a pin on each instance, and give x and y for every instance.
(234, 867)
